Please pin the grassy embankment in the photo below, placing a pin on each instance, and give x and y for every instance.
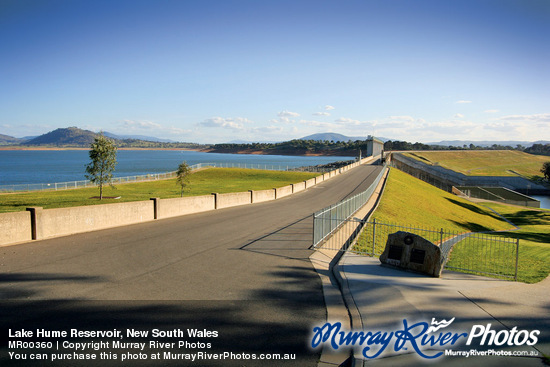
(203, 182)
(485, 162)
(407, 201)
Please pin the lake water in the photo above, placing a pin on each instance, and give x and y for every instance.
(49, 166)
(544, 201)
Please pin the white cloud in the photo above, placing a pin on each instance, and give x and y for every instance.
(459, 116)
(403, 118)
(226, 123)
(286, 113)
(329, 107)
(348, 121)
(140, 125)
(463, 102)
(268, 130)
(321, 114)
(322, 124)
(490, 111)
(540, 117)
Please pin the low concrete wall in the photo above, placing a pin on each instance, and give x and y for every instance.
(259, 196)
(187, 205)
(310, 183)
(65, 221)
(297, 187)
(15, 227)
(233, 199)
(283, 191)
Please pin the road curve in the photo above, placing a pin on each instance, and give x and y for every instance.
(242, 271)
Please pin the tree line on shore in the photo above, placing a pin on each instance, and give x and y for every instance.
(351, 148)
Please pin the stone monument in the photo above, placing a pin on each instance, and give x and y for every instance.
(409, 251)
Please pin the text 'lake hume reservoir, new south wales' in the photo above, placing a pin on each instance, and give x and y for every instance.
(45, 166)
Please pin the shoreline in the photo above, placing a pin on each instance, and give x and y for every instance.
(12, 148)
(251, 152)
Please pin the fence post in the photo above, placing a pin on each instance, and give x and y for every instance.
(373, 236)
(441, 238)
(517, 260)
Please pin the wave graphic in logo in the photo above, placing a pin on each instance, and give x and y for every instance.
(439, 325)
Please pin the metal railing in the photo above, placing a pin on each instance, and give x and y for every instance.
(328, 220)
(149, 177)
(490, 253)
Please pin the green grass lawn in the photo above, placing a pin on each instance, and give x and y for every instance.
(534, 235)
(485, 162)
(203, 182)
(410, 202)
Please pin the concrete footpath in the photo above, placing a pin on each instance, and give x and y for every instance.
(379, 298)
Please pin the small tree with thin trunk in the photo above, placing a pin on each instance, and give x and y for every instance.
(182, 176)
(103, 161)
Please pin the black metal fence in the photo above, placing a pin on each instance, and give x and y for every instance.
(491, 254)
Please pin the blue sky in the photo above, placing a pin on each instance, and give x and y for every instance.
(216, 71)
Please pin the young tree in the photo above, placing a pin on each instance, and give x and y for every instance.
(546, 170)
(182, 175)
(103, 161)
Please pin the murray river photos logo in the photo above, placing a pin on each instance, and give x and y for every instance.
(418, 337)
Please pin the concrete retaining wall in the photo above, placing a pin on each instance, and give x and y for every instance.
(15, 227)
(38, 223)
(259, 196)
(233, 199)
(310, 183)
(445, 178)
(283, 191)
(297, 187)
(187, 205)
(65, 221)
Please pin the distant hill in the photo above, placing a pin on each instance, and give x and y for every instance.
(9, 140)
(238, 141)
(335, 137)
(488, 143)
(78, 138)
(331, 137)
(137, 137)
(65, 136)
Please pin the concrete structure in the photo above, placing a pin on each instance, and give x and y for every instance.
(15, 227)
(309, 183)
(65, 221)
(445, 179)
(375, 147)
(412, 252)
(233, 199)
(297, 187)
(281, 192)
(259, 196)
(187, 205)
(501, 194)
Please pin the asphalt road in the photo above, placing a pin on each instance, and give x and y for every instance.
(243, 272)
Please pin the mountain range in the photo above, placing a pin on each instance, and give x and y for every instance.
(488, 143)
(75, 137)
(72, 136)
